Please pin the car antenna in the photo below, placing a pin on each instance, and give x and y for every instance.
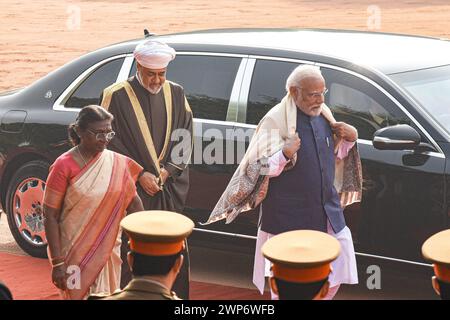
(147, 34)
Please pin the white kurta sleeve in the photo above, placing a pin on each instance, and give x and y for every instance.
(277, 162)
(344, 148)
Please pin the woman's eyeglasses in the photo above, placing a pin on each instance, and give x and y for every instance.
(103, 135)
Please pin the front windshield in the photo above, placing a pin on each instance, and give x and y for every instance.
(431, 88)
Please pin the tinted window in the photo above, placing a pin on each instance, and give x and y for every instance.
(91, 88)
(267, 87)
(207, 82)
(360, 104)
(430, 87)
(351, 99)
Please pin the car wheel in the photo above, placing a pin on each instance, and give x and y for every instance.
(24, 207)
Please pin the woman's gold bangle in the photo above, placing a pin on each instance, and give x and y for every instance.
(58, 264)
(57, 258)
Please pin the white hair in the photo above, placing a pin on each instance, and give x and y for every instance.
(300, 73)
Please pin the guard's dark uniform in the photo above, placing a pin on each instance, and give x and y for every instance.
(154, 234)
(143, 289)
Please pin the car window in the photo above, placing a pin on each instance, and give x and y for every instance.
(207, 81)
(360, 104)
(430, 87)
(267, 87)
(90, 89)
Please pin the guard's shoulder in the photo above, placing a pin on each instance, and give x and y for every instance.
(118, 295)
(102, 296)
(171, 296)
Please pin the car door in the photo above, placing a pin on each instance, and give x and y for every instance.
(262, 88)
(403, 198)
(210, 81)
(403, 191)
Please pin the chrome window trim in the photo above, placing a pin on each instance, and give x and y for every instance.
(124, 73)
(218, 122)
(376, 85)
(215, 54)
(59, 103)
(232, 112)
(245, 90)
(246, 125)
(282, 59)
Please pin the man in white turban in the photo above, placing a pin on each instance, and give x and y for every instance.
(147, 109)
(152, 59)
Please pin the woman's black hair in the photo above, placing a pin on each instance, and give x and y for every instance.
(87, 115)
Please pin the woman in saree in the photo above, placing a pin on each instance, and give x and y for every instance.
(89, 190)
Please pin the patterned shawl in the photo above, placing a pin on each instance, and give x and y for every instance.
(249, 184)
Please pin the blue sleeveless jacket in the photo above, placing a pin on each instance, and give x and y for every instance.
(304, 197)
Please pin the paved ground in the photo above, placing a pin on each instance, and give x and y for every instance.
(38, 36)
(7, 243)
(235, 269)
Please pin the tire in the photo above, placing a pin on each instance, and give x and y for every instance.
(25, 191)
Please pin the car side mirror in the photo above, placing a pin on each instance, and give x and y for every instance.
(398, 137)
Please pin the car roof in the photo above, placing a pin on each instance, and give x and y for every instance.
(388, 53)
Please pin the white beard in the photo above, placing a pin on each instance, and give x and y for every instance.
(154, 91)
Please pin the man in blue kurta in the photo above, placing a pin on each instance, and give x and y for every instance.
(305, 197)
(302, 168)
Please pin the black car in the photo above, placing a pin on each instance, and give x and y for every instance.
(394, 89)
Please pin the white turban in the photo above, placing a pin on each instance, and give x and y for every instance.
(154, 54)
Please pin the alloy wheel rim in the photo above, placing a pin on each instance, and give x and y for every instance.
(27, 211)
